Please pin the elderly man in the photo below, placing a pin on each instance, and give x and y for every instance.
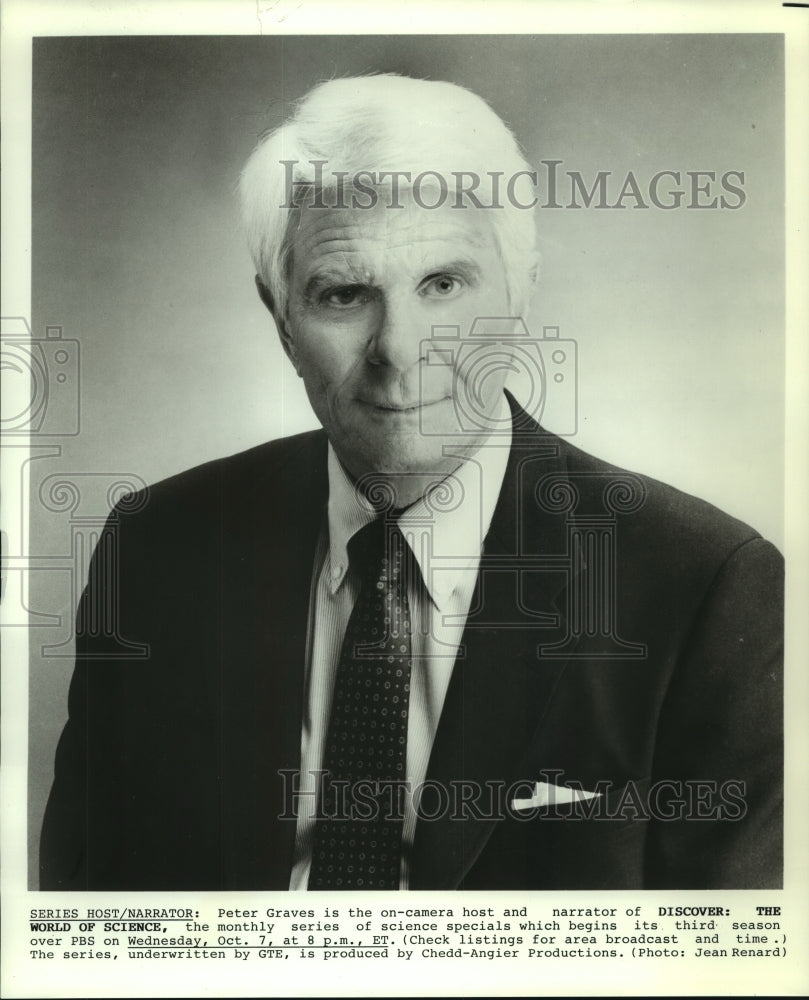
(431, 645)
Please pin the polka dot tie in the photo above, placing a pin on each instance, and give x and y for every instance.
(358, 833)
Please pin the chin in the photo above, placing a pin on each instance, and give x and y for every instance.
(407, 461)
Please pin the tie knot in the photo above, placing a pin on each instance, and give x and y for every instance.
(376, 546)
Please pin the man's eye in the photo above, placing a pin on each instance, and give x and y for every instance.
(441, 286)
(349, 295)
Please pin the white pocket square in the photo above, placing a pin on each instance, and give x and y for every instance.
(545, 794)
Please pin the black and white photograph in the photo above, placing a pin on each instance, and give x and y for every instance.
(397, 444)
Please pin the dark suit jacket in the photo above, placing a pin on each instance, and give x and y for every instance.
(629, 641)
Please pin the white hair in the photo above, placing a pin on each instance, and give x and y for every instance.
(386, 123)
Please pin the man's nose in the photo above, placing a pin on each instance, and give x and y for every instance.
(397, 337)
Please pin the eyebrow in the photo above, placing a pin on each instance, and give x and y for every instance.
(467, 268)
(464, 266)
(334, 276)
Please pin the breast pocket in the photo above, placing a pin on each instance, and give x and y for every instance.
(603, 801)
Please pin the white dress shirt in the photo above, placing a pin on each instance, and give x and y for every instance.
(445, 530)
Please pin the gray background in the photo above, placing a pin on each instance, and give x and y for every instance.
(137, 254)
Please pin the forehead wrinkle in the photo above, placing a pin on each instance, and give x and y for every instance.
(363, 247)
(337, 240)
(331, 253)
(339, 249)
(381, 221)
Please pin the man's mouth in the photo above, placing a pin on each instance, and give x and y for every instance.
(391, 407)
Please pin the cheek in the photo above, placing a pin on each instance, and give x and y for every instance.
(326, 359)
(498, 297)
(491, 299)
(317, 346)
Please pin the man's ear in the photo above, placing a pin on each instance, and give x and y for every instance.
(534, 263)
(521, 305)
(267, 298)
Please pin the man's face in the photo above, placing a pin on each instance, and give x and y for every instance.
(367, 286)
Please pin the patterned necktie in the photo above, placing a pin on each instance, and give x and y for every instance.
(358, 833)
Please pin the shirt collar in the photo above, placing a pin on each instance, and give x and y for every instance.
(347, 514)
(445, 528)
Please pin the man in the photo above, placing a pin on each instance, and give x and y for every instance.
(431, 645)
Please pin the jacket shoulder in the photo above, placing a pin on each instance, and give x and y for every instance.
(669, 520)
(272, 463)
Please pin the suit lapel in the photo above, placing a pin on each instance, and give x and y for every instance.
(499, 687)
(269, 533)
